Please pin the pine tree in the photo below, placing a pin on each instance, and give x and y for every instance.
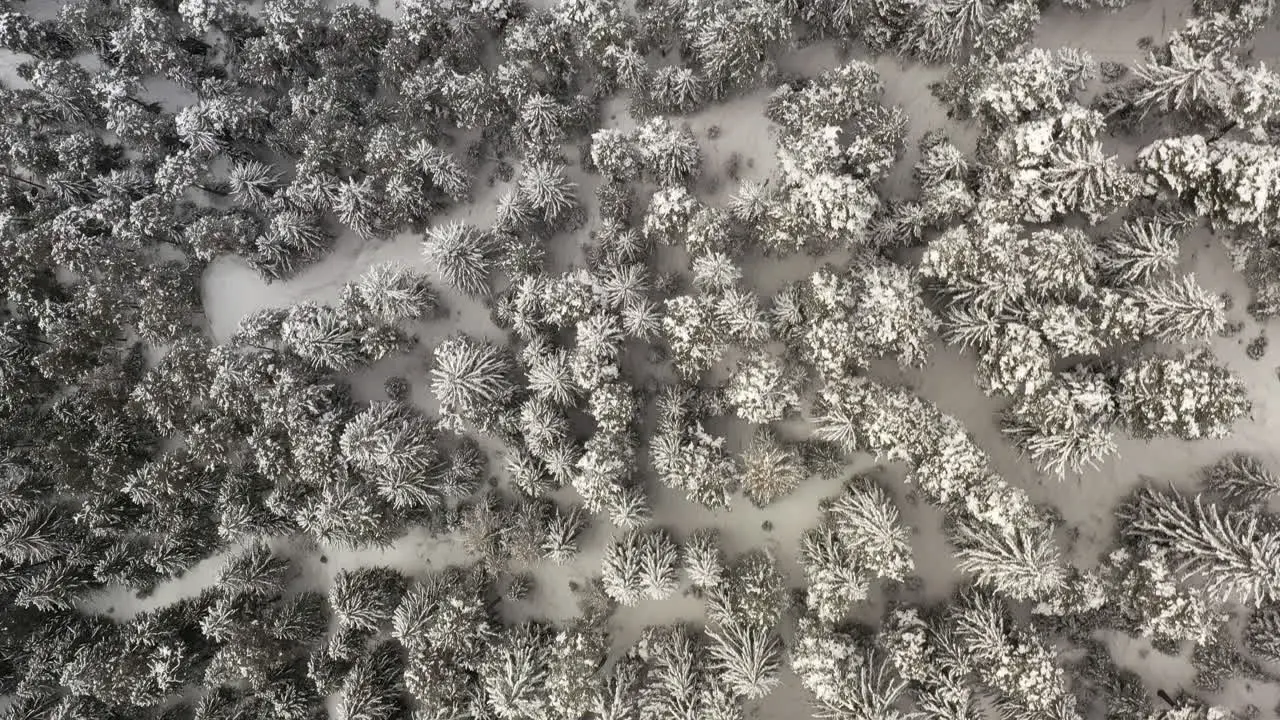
(614, 154)
(1139, 253)
(629, 507)
(254, 572)
(640, 563)
(667, 155)
(463, 255)
(371, 689)
(1181, 310)
(1147, 598)
(749, 658)
(573, 680)
(703, 559)
(365, 598)
(547, 189)
(1262, 634)
(763, 389)
(674, 89)
(868, 522)
(1242, 480)
(564, 529)
(753, 592)
(1020, 564)
(832, 569)
(471, 381)
(392, 293)
(1233, 553)
(392, 442)
(514, 672)
(1016, 663)
(35, 534)
(1067, 426)
(847, 679)
(321, 335)
(447, 612)
(771, 468)
(1188, 396)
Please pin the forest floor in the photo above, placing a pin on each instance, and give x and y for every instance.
(231, 290)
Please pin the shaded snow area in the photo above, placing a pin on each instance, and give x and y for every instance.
(948, 399)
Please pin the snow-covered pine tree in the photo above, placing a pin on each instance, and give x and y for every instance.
(1017, 563)
(868, 522)
(365, 598)
(1068, 425)
(833, 573)
(1232, 552)
(372, 688)
(753, 592)
(514, 672)
(1014, 662)
(564, 528)
(640, 563)
(574, 681)
(703, 559)
(771, 467)
(847, 678)
(1243, 480)
(472, 381)
(925, 653)
(463, 256)
(764, 389)
(1188, 395)
(1140, 252)
(748, 657)
(392, 293)
(1147, 598)
(1180, 310)
(254, 572)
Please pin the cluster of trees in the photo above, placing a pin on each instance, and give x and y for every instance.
(133, 447)
(1076, 332)
(1061, 325)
